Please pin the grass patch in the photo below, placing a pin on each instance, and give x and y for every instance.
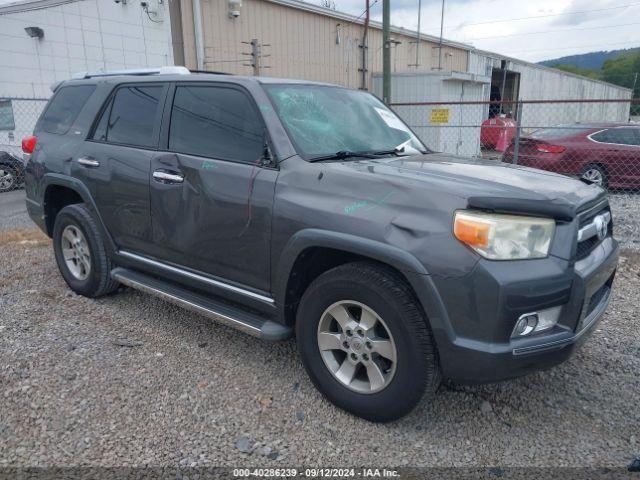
(24, 236)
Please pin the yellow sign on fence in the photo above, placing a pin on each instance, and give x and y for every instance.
(439, 115)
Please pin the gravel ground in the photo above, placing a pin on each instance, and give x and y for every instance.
(626, 216)
(128, 380)
(13, 213)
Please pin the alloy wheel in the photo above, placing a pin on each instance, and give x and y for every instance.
(7, 179)
(594, 176)
(357, 347)
(75, 250)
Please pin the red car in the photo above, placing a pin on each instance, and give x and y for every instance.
(607, 154)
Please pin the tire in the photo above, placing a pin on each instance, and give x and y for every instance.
(596, 174)
(8, 178)
(367, 290)
(89, 276)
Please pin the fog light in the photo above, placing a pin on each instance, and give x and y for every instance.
(526, 324)
(536, 322)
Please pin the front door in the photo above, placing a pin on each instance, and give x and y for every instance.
(115, 162)
(211, 195)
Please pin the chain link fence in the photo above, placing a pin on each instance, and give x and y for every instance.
(597, 141)
(18, 117)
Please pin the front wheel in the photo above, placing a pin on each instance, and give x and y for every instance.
(365, 341)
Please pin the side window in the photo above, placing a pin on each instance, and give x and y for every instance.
(129, 117)
(64, 108)
(6, 115)
(215, 122)
(619, 136)
(602, 136)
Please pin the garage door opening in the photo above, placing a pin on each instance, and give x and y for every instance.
(505, 87)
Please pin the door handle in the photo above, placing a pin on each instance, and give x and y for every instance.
(166, 177)
(88, 162)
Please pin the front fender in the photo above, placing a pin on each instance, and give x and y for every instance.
(413, 270)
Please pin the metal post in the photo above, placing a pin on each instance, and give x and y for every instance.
(365, 42)
(516, 140)
(418, 40)
(441, 33)
(255, 56)
(386, 51)
(503, 86)
(197, 30)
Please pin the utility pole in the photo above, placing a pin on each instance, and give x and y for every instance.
(365, 46)
(256, 55)
(386, 51)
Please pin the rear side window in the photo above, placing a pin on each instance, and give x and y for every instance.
(215, 122)
(619, 136)
(130, 116)
(64, 108)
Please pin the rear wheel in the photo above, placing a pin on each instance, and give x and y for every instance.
(80, 252)
(595, 174)
(8, 178)
(365, 342)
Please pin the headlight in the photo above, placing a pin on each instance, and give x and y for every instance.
(504, 237)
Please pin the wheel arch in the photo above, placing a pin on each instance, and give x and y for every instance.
(311, 252)
(60, 191)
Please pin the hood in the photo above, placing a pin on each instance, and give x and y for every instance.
(486, 184)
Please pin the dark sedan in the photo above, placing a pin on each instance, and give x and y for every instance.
(607, 154)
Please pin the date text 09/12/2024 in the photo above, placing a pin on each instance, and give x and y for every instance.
(315, 472)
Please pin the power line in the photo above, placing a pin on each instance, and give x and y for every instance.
(554, 31)
(465, 24)
(365, 11)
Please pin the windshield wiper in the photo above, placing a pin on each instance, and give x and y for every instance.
(344, 154)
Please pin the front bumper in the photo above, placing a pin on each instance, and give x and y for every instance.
(470, 353)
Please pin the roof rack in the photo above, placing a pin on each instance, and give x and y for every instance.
(212, 72)
(177, 70)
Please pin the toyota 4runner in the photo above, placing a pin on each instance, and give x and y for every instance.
(289, 208)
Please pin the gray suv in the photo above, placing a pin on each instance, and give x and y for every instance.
(289, 208)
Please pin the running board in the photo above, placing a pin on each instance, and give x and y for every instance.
(222, 312)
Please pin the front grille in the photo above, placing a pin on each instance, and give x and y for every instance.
(585, 247)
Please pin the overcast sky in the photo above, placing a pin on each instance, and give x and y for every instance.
(599, 25)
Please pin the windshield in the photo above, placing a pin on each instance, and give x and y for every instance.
(323, 120)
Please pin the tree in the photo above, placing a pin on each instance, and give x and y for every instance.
(623, 70)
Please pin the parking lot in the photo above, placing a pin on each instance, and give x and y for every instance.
(130, 380)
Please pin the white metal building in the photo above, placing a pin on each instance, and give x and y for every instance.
(45, 41)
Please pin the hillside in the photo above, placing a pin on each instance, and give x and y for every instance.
(590, 61)
(621, 68)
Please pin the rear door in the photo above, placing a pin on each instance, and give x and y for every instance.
(115, 161)
(211, 189)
